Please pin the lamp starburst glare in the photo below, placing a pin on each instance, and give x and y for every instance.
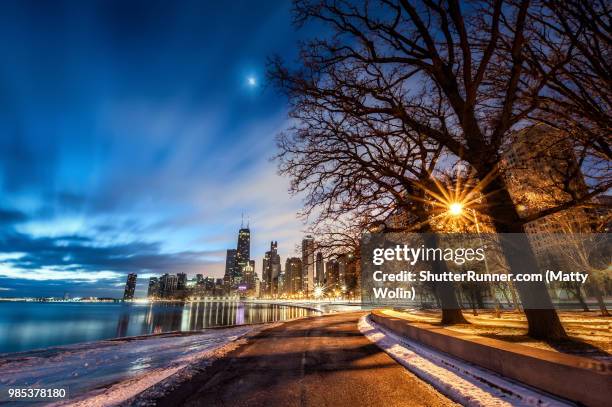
(455, 208)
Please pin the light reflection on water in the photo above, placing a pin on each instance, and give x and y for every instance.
(28, 325)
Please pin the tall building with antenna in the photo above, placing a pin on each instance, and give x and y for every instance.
(238, 259)
(243, 249)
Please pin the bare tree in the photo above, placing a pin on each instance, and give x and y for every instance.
(457, 74)
(574, 38)
(474, 68)
(365, 173)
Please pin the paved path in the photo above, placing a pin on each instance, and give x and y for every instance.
(319, 361)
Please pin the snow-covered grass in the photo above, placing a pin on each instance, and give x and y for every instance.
(461, 381)
(590, 334)
(108, 372)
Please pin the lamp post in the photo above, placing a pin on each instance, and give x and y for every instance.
(456, 209)
(486, 263)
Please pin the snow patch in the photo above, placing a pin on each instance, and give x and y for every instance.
(106, 373)
(461, 381)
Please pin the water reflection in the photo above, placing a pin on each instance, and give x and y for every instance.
(122, 325)
(165, 317)
(29, 325)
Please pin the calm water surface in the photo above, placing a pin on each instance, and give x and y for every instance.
(31, 325)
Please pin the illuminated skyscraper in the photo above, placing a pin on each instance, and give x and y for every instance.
(130, 287)
(230, 268)
(542, 171)
(332, 274)
(293, 276)
(243, 253)
(319, 268)
(153, 291)
(181, 283)
(271, 269)
(167, 285)
(308, 264)
(248, 275)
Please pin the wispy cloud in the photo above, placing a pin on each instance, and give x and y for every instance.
(154, 149)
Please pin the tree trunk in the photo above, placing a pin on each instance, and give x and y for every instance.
(479, 299)
(544, 324)
(453, 316)
(445, 291)
(542, 318)
(601, 303)
(580, 298)
(505, 294)
(517, 305)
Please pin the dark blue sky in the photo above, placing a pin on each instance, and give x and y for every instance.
(131, 139)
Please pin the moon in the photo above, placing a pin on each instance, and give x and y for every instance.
(251, 81)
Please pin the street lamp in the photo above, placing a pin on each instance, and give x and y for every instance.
(455, 208)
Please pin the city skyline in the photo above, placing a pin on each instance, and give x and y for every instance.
(140, 283)
(114, 152)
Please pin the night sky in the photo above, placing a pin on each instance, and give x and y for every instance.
(133, 134)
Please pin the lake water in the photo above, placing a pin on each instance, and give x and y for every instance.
(32, 325)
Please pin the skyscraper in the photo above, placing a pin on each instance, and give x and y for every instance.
(271, 269)
(153, 290)
(181, 283)
(308, 264)
(130, 287)
(238, 259)
(320, 273)
(332, 274)
(293, 275)
(352, 276)
(542, 171)
(243, 253)
(249, 275)
(167, 285)
(230, 269)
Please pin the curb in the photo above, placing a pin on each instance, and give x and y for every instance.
(590, 380)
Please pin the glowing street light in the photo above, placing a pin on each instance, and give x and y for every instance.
(455, 208)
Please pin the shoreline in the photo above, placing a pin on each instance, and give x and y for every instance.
(81, 324)
(186, 352)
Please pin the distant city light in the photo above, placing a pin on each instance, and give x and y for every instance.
(318, 292)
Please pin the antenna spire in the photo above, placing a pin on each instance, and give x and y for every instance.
(242, 221)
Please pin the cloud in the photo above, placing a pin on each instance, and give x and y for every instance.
(152, 152)
(11, 217)
(81, 258)
(48, 274)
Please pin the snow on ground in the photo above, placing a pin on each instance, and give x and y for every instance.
(458, 380)
(108, 372)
